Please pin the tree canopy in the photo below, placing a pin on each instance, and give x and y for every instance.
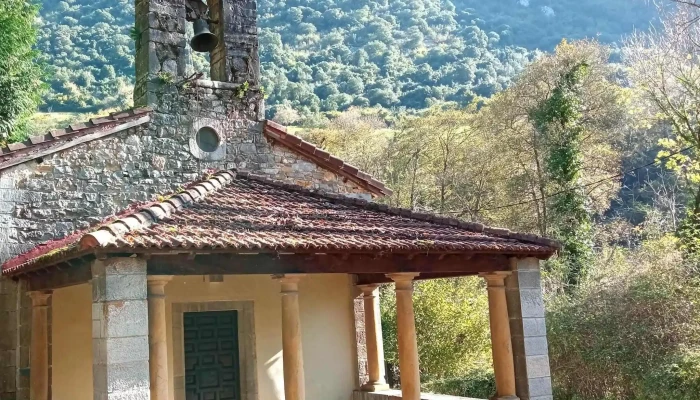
(20, 76)
(329, 55)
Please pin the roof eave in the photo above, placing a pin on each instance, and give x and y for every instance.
(62, 139)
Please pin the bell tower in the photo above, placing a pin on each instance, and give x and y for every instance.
(162, 49)
(215, 123)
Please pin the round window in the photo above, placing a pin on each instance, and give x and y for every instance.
(208, 140)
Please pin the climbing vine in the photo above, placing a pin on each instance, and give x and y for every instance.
(558, 124)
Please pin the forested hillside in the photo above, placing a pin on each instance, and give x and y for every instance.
(327, 55)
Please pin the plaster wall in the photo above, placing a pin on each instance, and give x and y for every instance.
(326, 303)
(71, 370)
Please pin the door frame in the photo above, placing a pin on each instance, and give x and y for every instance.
(246, 344)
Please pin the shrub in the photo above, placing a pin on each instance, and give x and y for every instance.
(451, 324)
(478, 384)
(630, 330)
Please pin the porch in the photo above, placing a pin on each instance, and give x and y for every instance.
(126, 304)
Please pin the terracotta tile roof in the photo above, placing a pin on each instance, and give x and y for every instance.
(61, 139)
(239, 213)
(279, 134)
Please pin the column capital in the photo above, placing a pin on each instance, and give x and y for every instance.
(403, 280)
(156, 285)
(288, 278)
(290, 282)
(403, 276)
(155, 280)
(40, 298)
(495, 279)
(368, 290)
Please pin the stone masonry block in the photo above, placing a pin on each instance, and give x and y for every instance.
(537, 366)
(125, 318)
(7, 379)
(122, 287)
(8, 300)
(7, 358)
(7, 285)
(119, 350)
(127, 350)
(531, 303)
(528, 264)
(131, 395)
(536, 346)
(529, 279)
(126, 377)
(534, 327)
(540, 387)
(119, 266)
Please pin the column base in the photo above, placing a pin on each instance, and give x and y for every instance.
(374, 387)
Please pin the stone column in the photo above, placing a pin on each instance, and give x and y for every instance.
(406, 329)
(236, 58)
(528, 331)
(160, 47)
(292, 354)
(120, 329)
(39, 353)
(157, 339)
(501, 347)
(373, 337)
(10, 313)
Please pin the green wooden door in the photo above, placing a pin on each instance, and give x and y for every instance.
(212, 368)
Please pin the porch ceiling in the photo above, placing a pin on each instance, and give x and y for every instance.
(244, 214)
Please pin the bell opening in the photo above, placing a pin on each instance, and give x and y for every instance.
(203, 41)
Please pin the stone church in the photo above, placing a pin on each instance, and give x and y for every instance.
(188, 249)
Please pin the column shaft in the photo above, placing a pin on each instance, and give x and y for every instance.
(39, 353)
(501, 347)
(373, 337)
(408, 343)
(157, 337)
(292, 354)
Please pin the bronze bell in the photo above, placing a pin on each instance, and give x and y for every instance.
(203, 41)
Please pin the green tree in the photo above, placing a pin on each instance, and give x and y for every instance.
(664, 67)
(21, 84)
(557, 121)
(507, 118)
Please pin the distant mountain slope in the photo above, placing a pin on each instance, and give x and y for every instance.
(325, 55)
(541, 24)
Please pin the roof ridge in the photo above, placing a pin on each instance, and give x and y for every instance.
(280, 134)
(502, 233)
(155, 212)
